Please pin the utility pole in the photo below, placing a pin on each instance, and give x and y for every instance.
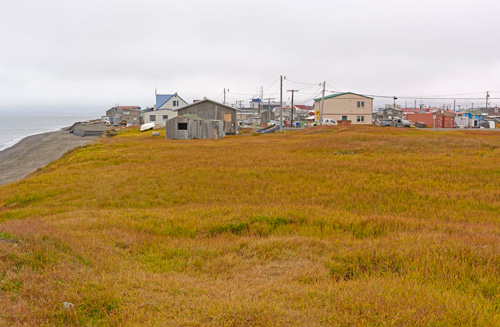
(415, 104)
(395, 102)
(281, 103)
(269, 103)
(454, 103)
(291, 118)
(322, 105)
(472, 106)
(261, 95)
(225, 94)
(239, 107)
(487, 97)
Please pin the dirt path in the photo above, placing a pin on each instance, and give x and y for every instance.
(35, 152)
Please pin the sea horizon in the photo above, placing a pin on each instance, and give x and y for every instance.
(15, 127)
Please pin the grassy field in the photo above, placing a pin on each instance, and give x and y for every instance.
(357, 226)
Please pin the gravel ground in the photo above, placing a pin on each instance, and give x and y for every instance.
(35, 152)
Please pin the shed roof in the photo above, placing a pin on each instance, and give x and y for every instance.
(339, 94)
(190, 116)
(203, 101)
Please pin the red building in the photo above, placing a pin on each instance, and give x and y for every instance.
(444, 118)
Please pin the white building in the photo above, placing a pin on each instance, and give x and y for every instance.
(165, 108)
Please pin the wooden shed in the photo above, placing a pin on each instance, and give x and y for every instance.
(212, 110)
(188, 127)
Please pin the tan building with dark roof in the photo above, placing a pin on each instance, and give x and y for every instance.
(350, 106)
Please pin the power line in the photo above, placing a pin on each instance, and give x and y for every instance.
(271, 84)
(301, 82)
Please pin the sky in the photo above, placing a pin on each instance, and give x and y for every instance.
(87, 56)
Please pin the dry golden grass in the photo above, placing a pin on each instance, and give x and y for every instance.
(357, 226)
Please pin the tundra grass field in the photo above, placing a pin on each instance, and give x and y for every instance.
(328, 226)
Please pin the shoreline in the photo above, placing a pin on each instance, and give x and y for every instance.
(37, 151)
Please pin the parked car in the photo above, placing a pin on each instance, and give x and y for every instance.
(327, 121)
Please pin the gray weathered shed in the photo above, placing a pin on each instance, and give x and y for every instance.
(188, 127)
(88, 129)
(212, 110)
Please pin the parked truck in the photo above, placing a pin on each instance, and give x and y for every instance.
(398, 122)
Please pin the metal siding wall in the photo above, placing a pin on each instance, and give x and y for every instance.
(171, 128)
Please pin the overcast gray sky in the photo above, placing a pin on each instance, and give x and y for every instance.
(86, 56)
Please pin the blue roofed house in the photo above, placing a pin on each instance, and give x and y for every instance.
(468, 119)
(165, 108)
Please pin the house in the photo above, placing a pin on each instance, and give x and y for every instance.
(187, 127)
(494, 111)
(390, 114)
(300, 113)
(128, 115)
(212, 110)
(437, 119)
(468, 120)
(350, 106)
(165, 108)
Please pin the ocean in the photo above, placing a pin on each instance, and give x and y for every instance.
(15, 127)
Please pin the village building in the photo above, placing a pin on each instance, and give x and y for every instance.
(468, 120)
(188, 126)
(437, 119)
(348, 106)
(165, 109)
(95, 128)
(266, 116)
(212, 110)
(494, 111)
(124, 115)
(390, 114)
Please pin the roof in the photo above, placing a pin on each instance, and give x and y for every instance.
(161, 99)
(408, 110)
(190, 116)
(202, 101)
(128, 107)
(339, 94)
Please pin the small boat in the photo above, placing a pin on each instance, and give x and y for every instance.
(147, 127)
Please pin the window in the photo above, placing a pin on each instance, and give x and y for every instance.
(360, 118)
(152, 117)
(182, 126)
(176, 103)
(164, 117)
(361, 104)
(227, 117)
(344, 117)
